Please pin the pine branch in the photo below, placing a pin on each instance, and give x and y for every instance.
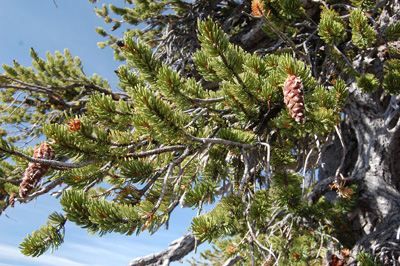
(253, 235)
(50, 89)
(55, 164)
(106, 168)
(49, 236)
(167, 175)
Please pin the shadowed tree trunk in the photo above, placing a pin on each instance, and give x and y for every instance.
(371, 137)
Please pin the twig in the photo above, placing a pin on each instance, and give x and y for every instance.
(282, 36)
(346, 59)
(105, 192)
(253, 236)
(305, 168)
(319, 250)
(197, 117)
(232, 261)
(28, 86)
(50, 89)
(106, 168)
(268, 157)
(41, 191)
(12, 103)
(155, 151)
(344, 151)
(153, 179)
(246, 172)
(164, 187)
(181, 171)
(213, 100)
(221, 141)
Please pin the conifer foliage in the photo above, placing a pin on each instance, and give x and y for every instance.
(201, 119)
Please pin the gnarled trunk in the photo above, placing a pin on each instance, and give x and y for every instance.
(371, 136)
(376, 220)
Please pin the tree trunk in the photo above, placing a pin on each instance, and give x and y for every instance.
(377, 219)
(371, 133)
(371, 136)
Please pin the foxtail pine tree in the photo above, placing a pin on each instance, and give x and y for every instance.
(282, 115)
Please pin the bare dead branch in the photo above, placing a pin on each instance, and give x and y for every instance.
(176, 250)
(155, 151)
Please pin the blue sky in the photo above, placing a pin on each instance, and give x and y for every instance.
(39, 24)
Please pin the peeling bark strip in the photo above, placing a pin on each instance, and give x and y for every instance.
(293, 93)
(36, 171)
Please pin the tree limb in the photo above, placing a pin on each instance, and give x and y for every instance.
(232, 261)
(53, 163)
(176, 251)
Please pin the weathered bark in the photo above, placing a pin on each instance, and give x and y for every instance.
(376, 221)
(176, 251)
(372, 137)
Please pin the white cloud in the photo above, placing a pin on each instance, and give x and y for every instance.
(114, 251)
(11, 253)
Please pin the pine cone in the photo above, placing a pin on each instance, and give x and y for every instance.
(293, 95)
(35, 171)
(11, 199)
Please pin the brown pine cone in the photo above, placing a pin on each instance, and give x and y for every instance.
(11, 199)
(35, 171)
(293, 96)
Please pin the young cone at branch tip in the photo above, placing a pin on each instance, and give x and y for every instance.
(35, 171)
(293, 96)
(74, 125)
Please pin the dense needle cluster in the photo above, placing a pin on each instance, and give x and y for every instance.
(35, 171)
